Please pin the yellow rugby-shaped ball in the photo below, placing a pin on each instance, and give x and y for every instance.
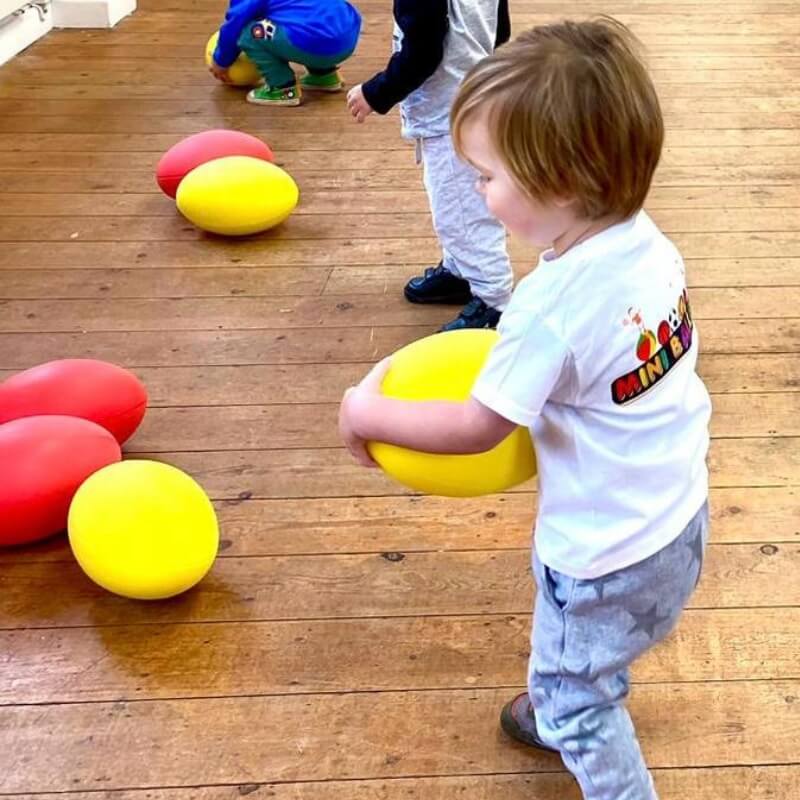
(444, 367)
(243, 72)
(143, 529)
(237, 196)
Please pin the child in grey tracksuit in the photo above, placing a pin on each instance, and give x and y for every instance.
(436, 42)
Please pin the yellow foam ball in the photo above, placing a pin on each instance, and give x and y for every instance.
(243, 72)
(143, 530)
(237, 195)
(444, 367)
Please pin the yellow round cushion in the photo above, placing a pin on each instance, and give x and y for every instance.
(143, 529)
(444, 367)
(237, 195)
(242, 72)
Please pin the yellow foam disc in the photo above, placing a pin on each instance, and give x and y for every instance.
(444, 367)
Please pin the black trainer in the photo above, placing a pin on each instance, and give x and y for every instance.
(438, 285)
(475, 314)
(518, 721)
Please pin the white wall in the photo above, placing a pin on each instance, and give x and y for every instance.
(90, 13)
(19, 32)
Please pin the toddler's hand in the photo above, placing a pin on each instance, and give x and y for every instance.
(356, 406)
(220, 73)
(357, 103)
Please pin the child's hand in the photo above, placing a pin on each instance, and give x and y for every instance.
(220, 73)
(354, 412)
(357, 103)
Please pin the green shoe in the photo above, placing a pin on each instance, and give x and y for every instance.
(329, 82)
(265, 96)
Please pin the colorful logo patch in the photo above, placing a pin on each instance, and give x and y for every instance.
(658, 353)
(263, 30)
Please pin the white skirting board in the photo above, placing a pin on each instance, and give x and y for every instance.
(90, 13)
(20, 30)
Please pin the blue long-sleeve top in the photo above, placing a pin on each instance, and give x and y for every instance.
(319, 27)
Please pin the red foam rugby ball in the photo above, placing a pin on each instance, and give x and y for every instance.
(78, 387)
(200, 148)
(43, 462)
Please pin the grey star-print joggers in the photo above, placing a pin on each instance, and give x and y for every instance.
(586, 634)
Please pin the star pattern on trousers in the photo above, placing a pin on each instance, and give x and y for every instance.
(697, 548)
(586, 673)
(648, 621)
(590, 734)
(589, 737)
(599, 585)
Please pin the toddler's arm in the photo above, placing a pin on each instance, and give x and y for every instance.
(424, 24)
(503, 23)
(431, 427)
(238, 15)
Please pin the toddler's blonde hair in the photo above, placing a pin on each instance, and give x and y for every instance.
(572, 112)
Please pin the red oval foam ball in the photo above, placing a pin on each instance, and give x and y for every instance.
(200, 148)
(78, 387)
(43, 462)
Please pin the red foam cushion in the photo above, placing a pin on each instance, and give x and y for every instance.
(43, 462)
(200, 148)
(95, 390)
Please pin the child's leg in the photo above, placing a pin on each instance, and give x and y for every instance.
(325, 78)
(322, 72)
(585, 636)
(264, 45)
(269, 48)
(473, 241)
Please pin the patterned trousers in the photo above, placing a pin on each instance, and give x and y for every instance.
(586, 634)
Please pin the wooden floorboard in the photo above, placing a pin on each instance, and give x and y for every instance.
(411, 584)
(276, 658)
(437, 733)
(354, 641)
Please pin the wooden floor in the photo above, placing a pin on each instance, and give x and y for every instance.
(353, 642)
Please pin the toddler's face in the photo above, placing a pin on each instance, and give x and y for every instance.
(541, 223)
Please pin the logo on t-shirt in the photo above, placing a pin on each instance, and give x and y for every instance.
(659, 352)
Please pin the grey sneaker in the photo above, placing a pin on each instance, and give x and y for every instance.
(518, 721)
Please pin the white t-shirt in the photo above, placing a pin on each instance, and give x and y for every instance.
(597, 355)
